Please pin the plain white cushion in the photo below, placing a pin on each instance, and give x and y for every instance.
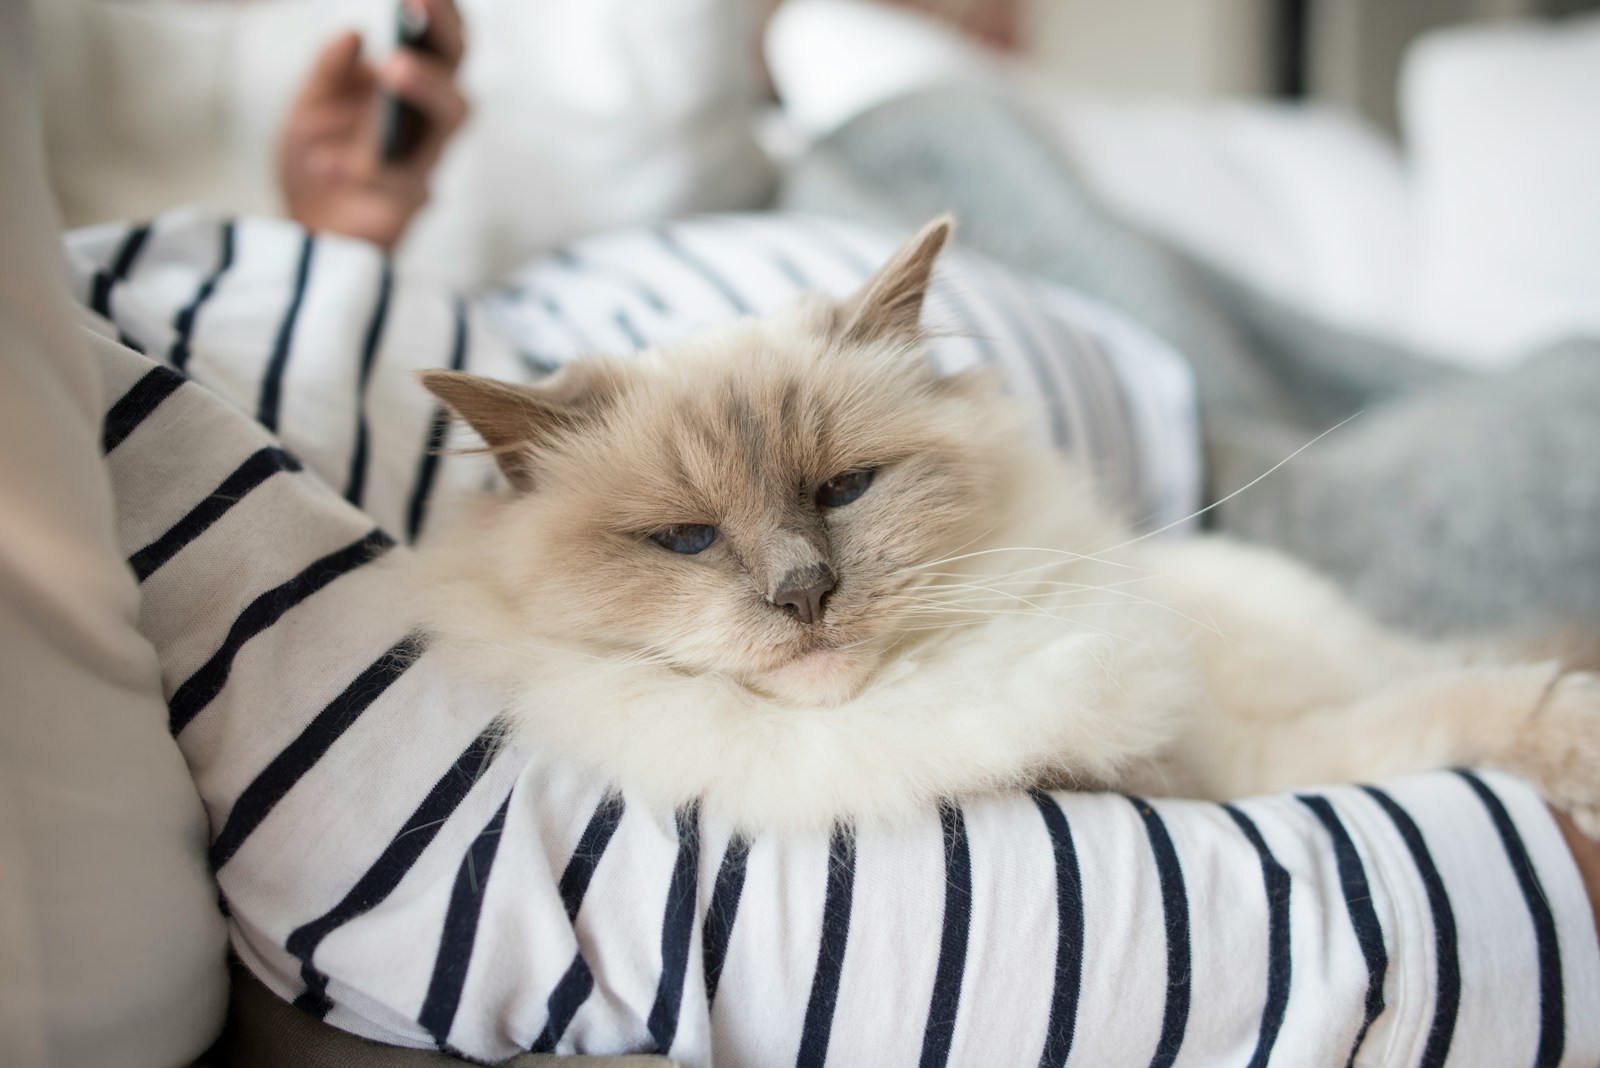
(1503, 124)
(586, 116)
(111, 946)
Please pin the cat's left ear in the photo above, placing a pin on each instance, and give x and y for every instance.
(517, 421)
(890, 304)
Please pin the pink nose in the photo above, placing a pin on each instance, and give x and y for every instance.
(804, 590)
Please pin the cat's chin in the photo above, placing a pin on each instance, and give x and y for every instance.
(820, 677)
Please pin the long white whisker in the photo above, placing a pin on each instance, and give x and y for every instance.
(1229, 497)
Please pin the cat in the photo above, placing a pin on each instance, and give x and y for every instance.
(785, 569)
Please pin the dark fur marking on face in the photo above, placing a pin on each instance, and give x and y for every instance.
(789, 406)
(746, 427)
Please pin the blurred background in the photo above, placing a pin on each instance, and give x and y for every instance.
(1347, 52)
(1421, 171)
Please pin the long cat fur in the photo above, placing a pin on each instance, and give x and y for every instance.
(994, 626)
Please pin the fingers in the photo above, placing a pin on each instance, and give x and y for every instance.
(444, 30)
(426, 82)
(337, 70)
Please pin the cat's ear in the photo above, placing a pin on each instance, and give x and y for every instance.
(515, 421)
(890, 304)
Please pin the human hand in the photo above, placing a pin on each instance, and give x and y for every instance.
(329, 163)
(1586, 854)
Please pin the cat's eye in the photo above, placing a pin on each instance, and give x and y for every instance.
(686, 538)
(842, 489)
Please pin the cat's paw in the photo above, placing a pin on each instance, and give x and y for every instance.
(1560, 749)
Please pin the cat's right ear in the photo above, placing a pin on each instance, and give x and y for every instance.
(890, 304)
(515, 421)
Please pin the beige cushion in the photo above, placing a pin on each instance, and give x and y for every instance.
(111, 947)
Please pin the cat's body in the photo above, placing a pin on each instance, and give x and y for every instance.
(784, 569)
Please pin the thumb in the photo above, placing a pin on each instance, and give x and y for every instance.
(336, 69)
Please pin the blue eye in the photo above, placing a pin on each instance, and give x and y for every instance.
(686, 538)
(842, 489)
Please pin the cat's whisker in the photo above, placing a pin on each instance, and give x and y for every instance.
(1027, 549)
(1219, 503)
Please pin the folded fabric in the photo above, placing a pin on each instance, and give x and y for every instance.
(391, 870)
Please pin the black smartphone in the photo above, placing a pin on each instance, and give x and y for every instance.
(404, 126)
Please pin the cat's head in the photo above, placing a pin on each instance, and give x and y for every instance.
(761, 501)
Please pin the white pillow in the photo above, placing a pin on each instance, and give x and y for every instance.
(586, 115)
(1503, 125)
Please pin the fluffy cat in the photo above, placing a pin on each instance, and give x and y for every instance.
(784, 568)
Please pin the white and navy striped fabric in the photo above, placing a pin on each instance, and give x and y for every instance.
(389, 870)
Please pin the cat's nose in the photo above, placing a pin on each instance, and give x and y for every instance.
(804, 590)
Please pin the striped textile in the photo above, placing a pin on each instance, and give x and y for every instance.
(389, 870)
(1102, 388)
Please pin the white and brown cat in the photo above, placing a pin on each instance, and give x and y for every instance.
(785, 568)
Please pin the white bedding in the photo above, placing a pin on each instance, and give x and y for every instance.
(1474, 241)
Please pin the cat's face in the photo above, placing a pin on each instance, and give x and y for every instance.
(762, 501)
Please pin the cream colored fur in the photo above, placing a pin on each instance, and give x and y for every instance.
(993, 627)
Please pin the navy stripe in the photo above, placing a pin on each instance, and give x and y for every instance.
(1358, 903)
(1175, 909)
(830, 950)
(1044, 378)
(105, 279)
(261, 465)
(272, 380)
(392, 864)
(570, 260)
(946, 1001)
(1116, 412)
(1447, 999)
(136, 405)
(539, 365)
(635, 338)
(677, 930)
(586, 856)
(204, 685)
(1069, 935)
(791, 271)
(356, 484)
(722, 912)
(1552, 998)
(836, 247)
(575, 986)
(1275, 878)
(703, 269)
(551, 305)
(183, 325)
(428, 467)
(461, 929)
(291, 765)
(565, 1001)
(969, 329)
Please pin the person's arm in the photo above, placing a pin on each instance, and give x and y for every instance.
(330, 165)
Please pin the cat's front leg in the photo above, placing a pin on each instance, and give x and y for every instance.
(1560, 749)
(1529, 719)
